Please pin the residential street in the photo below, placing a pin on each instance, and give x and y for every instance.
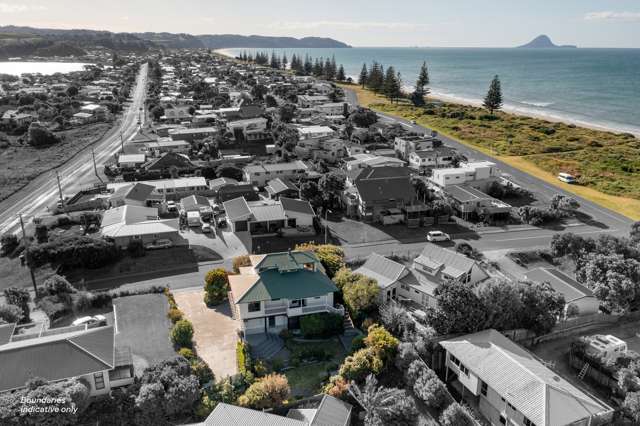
(78, 172)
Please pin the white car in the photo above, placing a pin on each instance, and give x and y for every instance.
(436, 236)
(206, 228)
(96, 319)
(159, 244)
(171, 206)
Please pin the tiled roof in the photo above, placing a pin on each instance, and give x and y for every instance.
(533, 389)
(385, 189)
(298, 206)
(237, 209)
(56, 357)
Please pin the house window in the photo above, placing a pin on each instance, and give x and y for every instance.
(503, 420)
(511, 406)
(454, 360)
(254, 306)
(483, 388)
(464, 370)
(298, 303)
(98, 379)
(528, 422)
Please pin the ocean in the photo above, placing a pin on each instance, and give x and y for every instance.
(590, 87)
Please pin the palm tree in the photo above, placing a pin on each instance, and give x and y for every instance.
(379, 403)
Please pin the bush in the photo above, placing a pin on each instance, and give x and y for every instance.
(240, 261)
(41, 136)
(54, 307)
(432, 391)
(9, 243)
(175, 315)
(268, 392)
(101, 299)
(405, 356)
(361, 296)
(187, 353)
(202, 371)
(216, 286)
(243, 358)
(10, 314)
(135, 248)
(57, 285)
(321, 325)
(456, 415)
(74, 252)
(361, 364)
(19, 297)
(337, 387)
(357, 343)
(182, 333)
(83, 301)
(380, 340)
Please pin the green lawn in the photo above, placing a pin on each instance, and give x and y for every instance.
(15, 275)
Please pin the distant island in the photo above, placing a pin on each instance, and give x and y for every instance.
(544, 42)
(27, 41)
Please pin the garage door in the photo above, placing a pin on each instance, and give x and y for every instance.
(241, 226)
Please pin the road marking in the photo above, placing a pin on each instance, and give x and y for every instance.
(551, 235)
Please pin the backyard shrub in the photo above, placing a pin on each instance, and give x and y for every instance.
(10, 314)
(182, 333)
(9, 243)
(406, 355)
(101, 299)
(268, 392)
(135, 248)
(361, 364)
(57, 285)
(202, 371)
(379, 339)
(432, 391)
(41, 233)
(361, 296)
(261, 368)
(187, 353)
(337, 387)
(357, 343)
(240, 261)
(175, 315)
(216, 286)
(321, 325)
(83, 301)
(243, 357)
(456, 415)
(54, 307)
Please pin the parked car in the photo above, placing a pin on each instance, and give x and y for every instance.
(206, 228)
(566, 177)
(436, 236)
(171, 206)
(159, 244)
(94, 320)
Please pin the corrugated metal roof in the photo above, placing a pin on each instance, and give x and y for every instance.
(332, 412)
(230, 415)
(267, 213)
(236, 209)
(560, 282)
(298, 206)
(298, 284)
(533, 389)
(435, 255)
(384, 271)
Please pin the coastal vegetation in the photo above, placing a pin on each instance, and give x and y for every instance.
(606, 164)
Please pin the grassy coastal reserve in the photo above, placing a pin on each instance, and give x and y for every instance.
(607, 164)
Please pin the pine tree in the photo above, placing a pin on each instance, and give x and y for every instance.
(341, 75)
(391, 85)
(364, 75)
(275, 62)
(284, 61)
(308, 65)
(493, 100)
(328, 70)
(423, 80)
(376, 77)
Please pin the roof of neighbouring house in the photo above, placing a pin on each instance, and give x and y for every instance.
(278, 185)
(298, 284)
(220, 182)
(385, 189)
(57, 356)
(237, 209)
(465, 193)
(298, 206)
(137, 192)
(128, 214)
(516, 375)
(384, 271)
(562, 283)
(6, 331)
(194, 201)
(436, 257)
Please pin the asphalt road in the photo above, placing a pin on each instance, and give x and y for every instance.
(78, 172)
(594, 220)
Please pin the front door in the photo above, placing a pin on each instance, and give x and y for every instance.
(272, 321)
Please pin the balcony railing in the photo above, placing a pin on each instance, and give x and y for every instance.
(275, 310)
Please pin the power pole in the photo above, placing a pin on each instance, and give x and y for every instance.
(95, 166)
(121, 142)
(62, 203)
(24, 241)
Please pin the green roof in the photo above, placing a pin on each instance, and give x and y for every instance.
(287, 260)
(299, 284)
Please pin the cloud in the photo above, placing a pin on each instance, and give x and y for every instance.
(19, 8)
(347, 25)
(613, 16)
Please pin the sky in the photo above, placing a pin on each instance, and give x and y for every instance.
(434, 23)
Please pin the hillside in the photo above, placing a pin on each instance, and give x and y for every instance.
(31, 45)
(233, 40)
(543, 42)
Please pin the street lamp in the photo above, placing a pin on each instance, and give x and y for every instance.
(326, 224)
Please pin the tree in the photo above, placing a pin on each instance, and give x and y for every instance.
(502, 304)
(364, 75)
(216, 286)
(459, 309)
(230, 171)
(395, 318)
(10, 314)
(360, 364)
(493, 100)
(182, 333)
(361, 296)
(456, 415)
(543, 306)
(240, 261)
(562, 202)
(9, 243)
(19, 297)
(270, 391)
(287, 112)
(634, 233)
(631, 406)
(259, 91)
(72, 91)
(382, 342)
(309, 191)
(41, 136)
(331, 257)
(391, 86)
(341, 76)
(570, 244)
(423, 80)
(345, 276)
(331, 186)
(417, 98)
(363, 117)
(628, 377)
(157, 112)
(382, 405)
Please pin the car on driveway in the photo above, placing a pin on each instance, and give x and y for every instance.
(172, 206)
(222, 222)
(94, 320)
(437, 236)
(206, 228)
(159, 244)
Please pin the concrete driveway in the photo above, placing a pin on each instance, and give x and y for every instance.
(214, 330)
(226, 244)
